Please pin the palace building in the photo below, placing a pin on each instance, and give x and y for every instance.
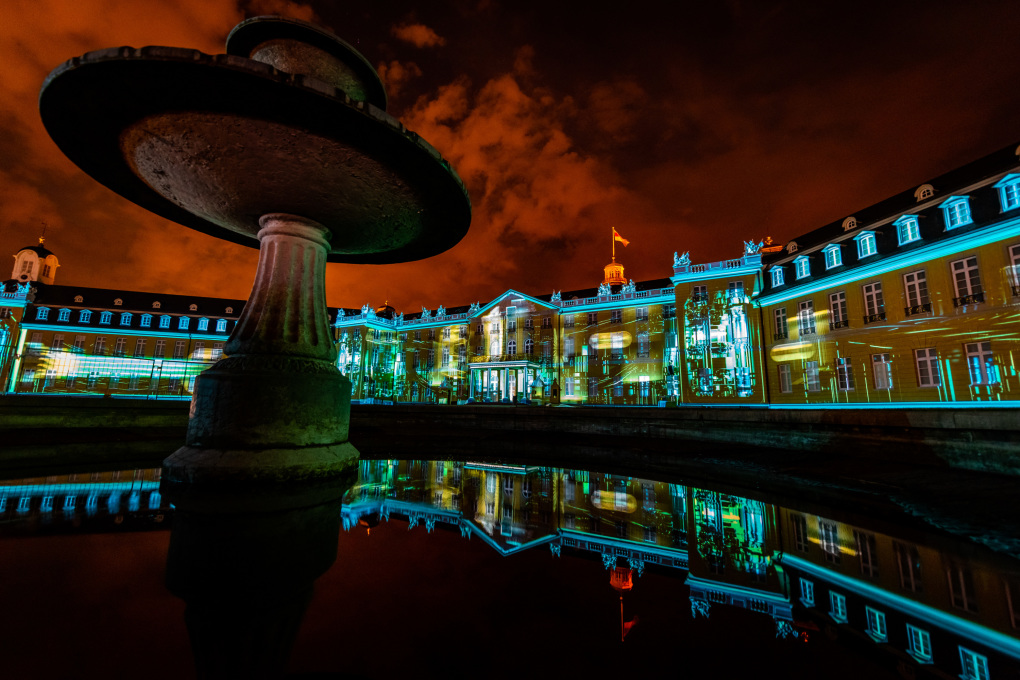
(914, 300)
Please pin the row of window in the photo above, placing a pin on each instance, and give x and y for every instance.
(570, 386)
(956, 213)
(981, 367)
(78, 299)
(99, 347)
(974, 666)
(106, 318)
(967, 290)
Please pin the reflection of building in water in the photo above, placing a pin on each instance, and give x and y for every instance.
(952, 613)
(911, 300)
(58, 500)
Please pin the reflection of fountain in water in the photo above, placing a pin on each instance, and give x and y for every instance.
(284, 139)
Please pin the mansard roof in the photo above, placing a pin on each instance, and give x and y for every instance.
(906, 202)
(135, 301)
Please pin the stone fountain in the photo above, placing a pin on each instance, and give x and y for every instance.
(282, 142)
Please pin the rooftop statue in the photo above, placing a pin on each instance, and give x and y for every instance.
(681, 260)
(752, 248)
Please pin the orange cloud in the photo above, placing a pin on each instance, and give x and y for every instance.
(418, 35)
(396, 74)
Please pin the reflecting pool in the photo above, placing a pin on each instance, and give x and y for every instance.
(460, 568)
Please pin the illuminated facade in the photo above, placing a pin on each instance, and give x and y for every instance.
(914, 300)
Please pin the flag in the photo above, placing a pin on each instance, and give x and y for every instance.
(619, 238)
(627, 626)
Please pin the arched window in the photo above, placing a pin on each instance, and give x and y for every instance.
(924, 191)
(494, 348)
(118, 302)
(511, 346)
(193, 307)
(230, 310)
(156, 305)
(850, 223)
(78, 298)
(529, 346)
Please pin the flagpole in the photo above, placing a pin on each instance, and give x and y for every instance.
(613, 236)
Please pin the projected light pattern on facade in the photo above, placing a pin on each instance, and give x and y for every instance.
(913, 301)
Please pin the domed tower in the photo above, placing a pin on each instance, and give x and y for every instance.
(35, 263)
(614, 271)
(385, 310)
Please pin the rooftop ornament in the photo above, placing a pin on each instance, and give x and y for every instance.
(283, 143)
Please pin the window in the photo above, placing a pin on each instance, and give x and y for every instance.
(908, 564)
(125, 319)
(42, 313)
(829, 541)
(876, 625)
(446, 356)
(833, 256)
(785, 379)
(529, 346)
(966, 281)
(874, 303)
(643, 345)
(807, 593)
(881, 367)
(164, 322)
(617, 386)
(156, 305)
(699, 293)
(593, 387)
(65, 315)
(199, 351)
(1009, 192)
(641, 314)
(779, 320)
(179, 348)
(546, 322)
(800, 537)
(1014, 269)
(593, 318)
(118, 347)
(837, 310)
(84, 316)
(919, 642)
(777, 276)
(867, 552)
(924, 191)
(105, 317)
(811, 376)
(981, 364)
(837, 607)
(908, 229)
(927, 361)
(568, 348)
(735, 290)
(915, 284)
(217, 351)
(956, 211)
(417, 335)
(140, 347)
(806, 317)
(221, 325)
(974, 666)
(58, 342)
(193, 307)
(146, 320)
(844, 374)
(511, 346)
(961, 587)
(866, 244)
(182, 323)
(79, 343)
(803, 266)
(160, 350)
(100, 346)
(36, 341)
(528, 323)
(203, 324)
(615, 316)
(568, 322)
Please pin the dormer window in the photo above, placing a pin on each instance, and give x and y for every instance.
(84, 316)
(193, 307)
(1009, 191)
(146, 320)
(956, 210)
(833, 256)
(65, 315)
(230, 310)
(791, 247)
(164, 322)
(118, 302)
(777, 276)
(105, 317)
(923, 192)
(156, 305)
(803, 266)
(42, 313)
(79, 298)
(907, 229)
(866, 244)
(850, 223)
(182, 323)
(125, 319)
(221, 325)
(203, 324)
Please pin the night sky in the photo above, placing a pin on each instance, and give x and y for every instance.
(686, 126)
